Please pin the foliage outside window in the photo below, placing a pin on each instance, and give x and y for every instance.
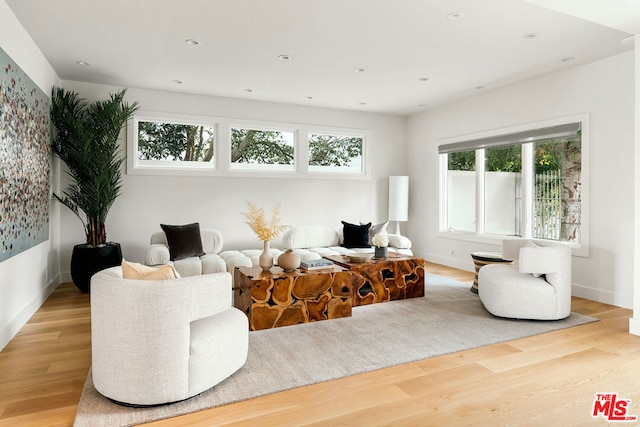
(262, 149)
(172, 144)
(175, 144)
(528, 189)
(335, 153)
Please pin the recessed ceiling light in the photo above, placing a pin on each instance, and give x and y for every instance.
(423, 79)
(176, 81)
(480, 87)
(421, 105)
(284, 57)
(530, 36)
(568, 59)
(309, 97)
(248, 90)
(362, 103)
(84, 64)
(455, 15)
(192, 42)
(359, 70)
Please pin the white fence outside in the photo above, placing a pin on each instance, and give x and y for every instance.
(503, 208)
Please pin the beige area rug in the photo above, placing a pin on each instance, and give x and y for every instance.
(448, 319)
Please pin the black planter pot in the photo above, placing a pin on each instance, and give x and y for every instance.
(88, 260)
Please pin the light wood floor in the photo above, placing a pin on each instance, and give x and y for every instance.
(545, 380)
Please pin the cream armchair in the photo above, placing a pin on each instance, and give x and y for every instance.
(158, 254)
(157, 342)
(536, 286)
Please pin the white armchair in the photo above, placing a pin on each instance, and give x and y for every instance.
(161, 342)
(158, 254)
(536, 286)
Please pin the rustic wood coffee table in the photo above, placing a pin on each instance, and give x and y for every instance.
(384, 279)
(279, 298)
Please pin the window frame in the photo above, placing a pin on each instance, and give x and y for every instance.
(168, 167)
(479, 235)
(222, 165)
(353, 133)
(252, 168)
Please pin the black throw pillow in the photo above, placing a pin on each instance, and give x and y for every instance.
(356, 236)
(184, 240)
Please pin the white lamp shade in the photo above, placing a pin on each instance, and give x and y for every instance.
(398, 198)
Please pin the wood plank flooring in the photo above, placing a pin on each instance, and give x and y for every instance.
(549, 379)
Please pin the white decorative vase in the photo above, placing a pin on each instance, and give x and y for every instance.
(289, 261)
(381, 252)
(266, 259)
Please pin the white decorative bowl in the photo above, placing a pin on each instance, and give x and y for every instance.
(359, 258)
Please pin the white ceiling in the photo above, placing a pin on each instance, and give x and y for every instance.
(141, 43)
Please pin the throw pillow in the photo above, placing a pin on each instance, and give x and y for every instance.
(133, 270)
(184, 240)
(356, 236)
(375, 229)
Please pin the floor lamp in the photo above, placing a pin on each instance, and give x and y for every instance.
(398, 200)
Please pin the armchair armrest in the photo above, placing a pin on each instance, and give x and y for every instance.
(156, 254)
(399, 241)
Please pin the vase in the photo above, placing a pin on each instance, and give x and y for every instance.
(266, 259)
(381, 252)
(289, 260)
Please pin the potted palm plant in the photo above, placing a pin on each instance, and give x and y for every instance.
(85, 138)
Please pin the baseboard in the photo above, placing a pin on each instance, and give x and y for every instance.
(13, 327)
(577, 290)
(466, 265)
(65, 277)
(606, 297)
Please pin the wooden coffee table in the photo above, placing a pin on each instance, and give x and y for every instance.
(384, 279)
(278, 298)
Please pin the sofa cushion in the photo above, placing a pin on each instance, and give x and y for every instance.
(133, 270)
(184, 240)
(375, 229)
(356, 236)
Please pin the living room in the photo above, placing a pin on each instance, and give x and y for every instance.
(401, 144)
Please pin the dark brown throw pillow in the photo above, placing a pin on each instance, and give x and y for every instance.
(184, 240)
(356, 236)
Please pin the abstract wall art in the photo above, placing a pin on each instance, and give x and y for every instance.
(24, 161)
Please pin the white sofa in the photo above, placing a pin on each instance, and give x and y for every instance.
(156, 342)
(312, 242)
(158, 254)
(536, 286)
(309, 242)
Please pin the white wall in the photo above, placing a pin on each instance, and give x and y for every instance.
(605, 90)
(217, 202)
(29, 277)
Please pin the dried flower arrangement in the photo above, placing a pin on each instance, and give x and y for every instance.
(258, 223)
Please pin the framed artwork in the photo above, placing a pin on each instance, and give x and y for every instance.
(24, 161)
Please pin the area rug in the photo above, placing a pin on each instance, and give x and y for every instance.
(448, 319)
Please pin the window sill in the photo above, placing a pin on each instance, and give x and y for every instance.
(579, 250)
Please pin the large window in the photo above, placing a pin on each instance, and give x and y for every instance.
(526, 184)
(173, 144)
